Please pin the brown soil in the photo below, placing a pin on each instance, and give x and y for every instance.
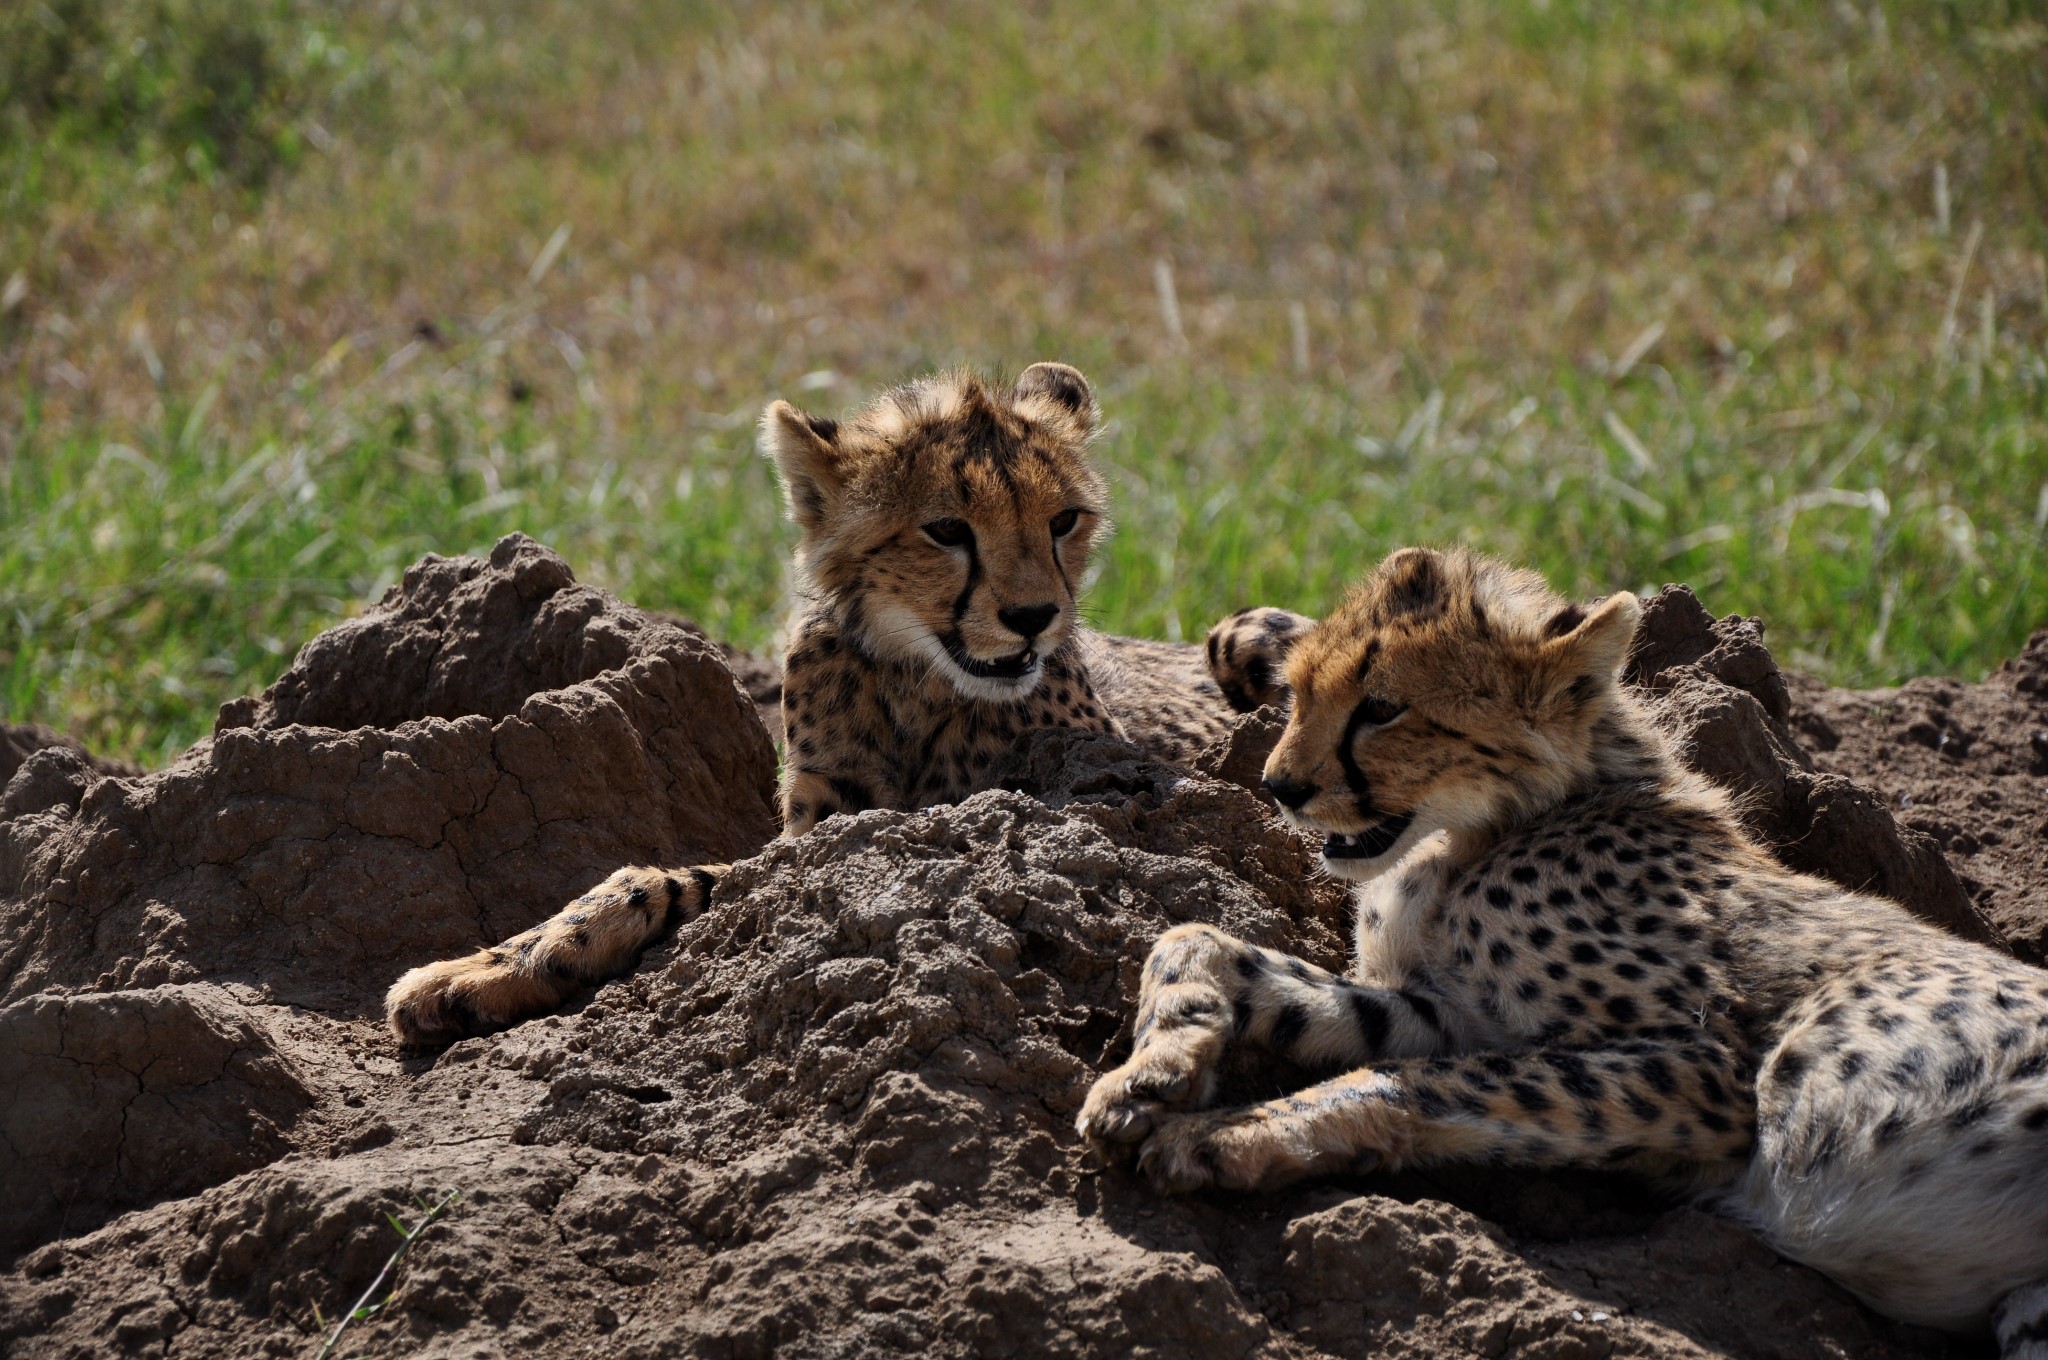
(830, 1117)
(19, 742)
(1966, 766)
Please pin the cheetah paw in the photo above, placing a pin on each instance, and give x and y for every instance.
(439, 1003)
(1248, 653)
(1124, 1105)
(1229, 1150)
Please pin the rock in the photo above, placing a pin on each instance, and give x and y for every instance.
(761, 678)
(119, 1099)
(20, 741)
(1721, 696)
(1240, 758)
(1960, 766)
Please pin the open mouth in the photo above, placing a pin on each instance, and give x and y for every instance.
(1370, 843)
(1016, 667)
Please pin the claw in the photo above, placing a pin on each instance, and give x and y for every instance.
(1117, 1123)
(1168, 1089)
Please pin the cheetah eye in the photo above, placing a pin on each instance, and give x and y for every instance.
(949, 533)
(1063, 523)
(1377, 712)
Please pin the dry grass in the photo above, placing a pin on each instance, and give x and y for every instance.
(1752, 295)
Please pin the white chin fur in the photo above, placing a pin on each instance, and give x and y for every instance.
(983, 687)
(1366, 870)
(908, 636)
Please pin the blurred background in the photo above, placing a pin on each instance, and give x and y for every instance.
(1748, 295)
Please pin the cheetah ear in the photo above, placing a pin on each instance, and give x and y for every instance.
(1585, 651)
(1412, 585)
(806, 453)
(1062, 387)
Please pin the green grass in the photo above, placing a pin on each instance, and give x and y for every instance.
(1752, 297)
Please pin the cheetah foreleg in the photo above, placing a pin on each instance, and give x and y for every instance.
(1546, 1107)
(1204, 990)
(595, 937)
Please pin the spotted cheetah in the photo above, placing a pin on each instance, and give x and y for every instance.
(945, 530)
(1569, 952)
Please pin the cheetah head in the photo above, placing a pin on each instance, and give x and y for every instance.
(949, 521)
(1448, 692)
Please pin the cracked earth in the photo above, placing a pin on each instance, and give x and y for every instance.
(833, 1115)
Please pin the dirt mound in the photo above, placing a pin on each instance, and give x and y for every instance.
(20, 741)
(1729, 708)
(831, 1117)
(1965, 766)
(436, 774)
(123, 1098)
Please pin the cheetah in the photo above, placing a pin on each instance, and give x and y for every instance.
(1568, 952)
(945, 530)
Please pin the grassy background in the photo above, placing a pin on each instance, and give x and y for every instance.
(291, 291)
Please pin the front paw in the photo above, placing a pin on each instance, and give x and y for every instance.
(1248, 656)
(1114, 1115)
(455, 998)
(1124, 1105)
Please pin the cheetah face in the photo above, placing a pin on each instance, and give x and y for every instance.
(949, 522)
(1447, 693)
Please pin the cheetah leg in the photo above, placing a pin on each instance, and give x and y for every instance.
(1204, 989)
(593, 938)
(1248, 651)
(809, 796)
(2021, 1321)
(1671, 1101)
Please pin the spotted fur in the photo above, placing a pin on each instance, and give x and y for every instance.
(946, 528)
(1569, 952)
(1248, 656)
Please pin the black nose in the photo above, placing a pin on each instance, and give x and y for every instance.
(1028, 620)
(1291, 793)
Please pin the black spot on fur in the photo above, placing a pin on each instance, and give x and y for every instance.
(1424, 1008)
(1288, 1026)
(1962, 1074)
(1371, 1016)
(1969, 1114)
(1658, 1074)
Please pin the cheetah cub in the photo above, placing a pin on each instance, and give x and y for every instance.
(946, 528)
(1569, 952)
